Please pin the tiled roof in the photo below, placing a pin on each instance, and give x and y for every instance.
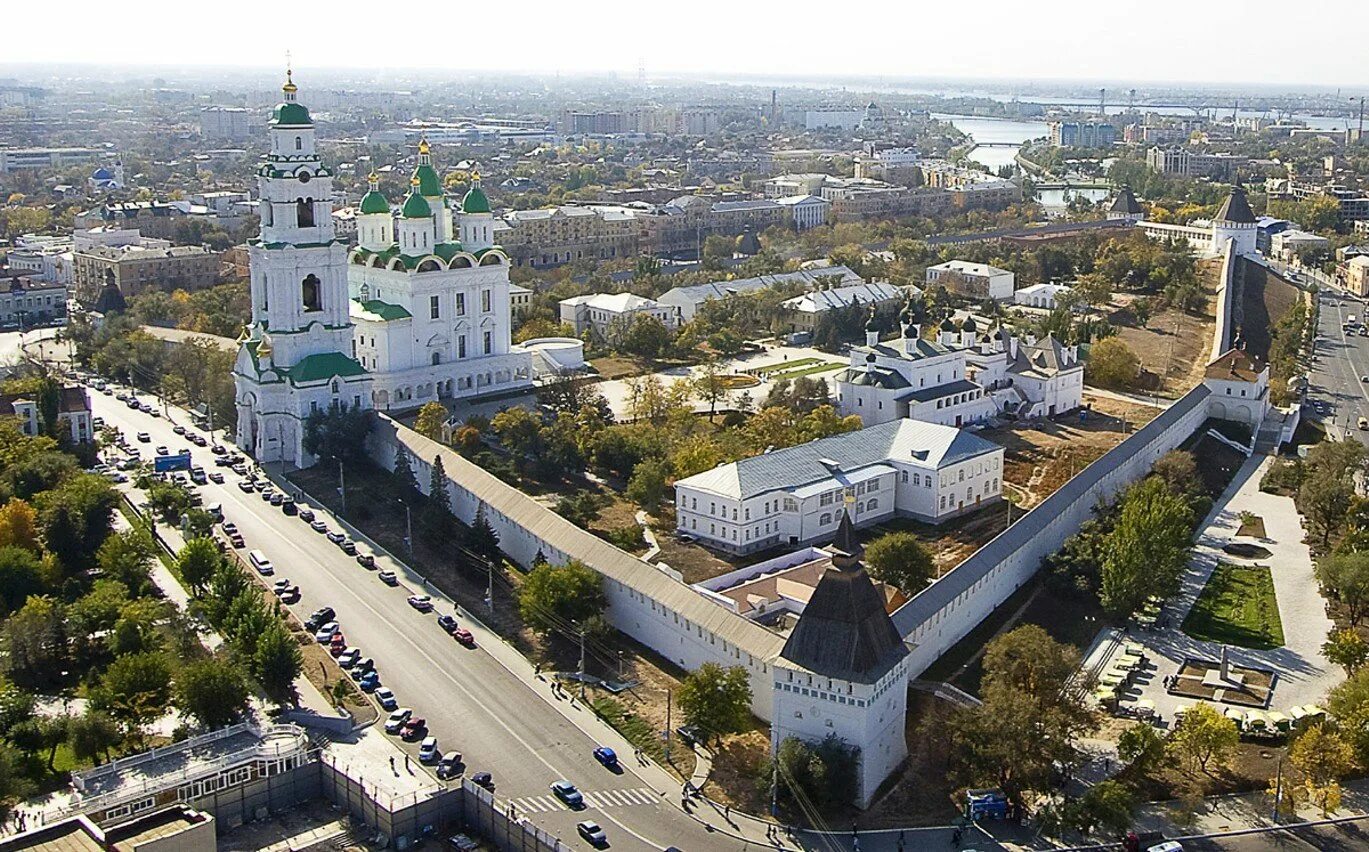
(383, 311)
(324, 366)
(1236, 208)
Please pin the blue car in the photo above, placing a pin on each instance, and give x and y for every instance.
(606, 756)
(369, 681)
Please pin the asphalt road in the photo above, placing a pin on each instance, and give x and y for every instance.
(1345, 837)
(472, 703)
(1340, 361)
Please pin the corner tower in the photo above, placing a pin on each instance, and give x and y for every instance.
(296, 354)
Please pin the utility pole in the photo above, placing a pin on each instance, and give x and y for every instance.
(1359, 137)
(775, 784)
(489, 584)
(342, 486)
(582, 664)
(667, 725)
(409, 528)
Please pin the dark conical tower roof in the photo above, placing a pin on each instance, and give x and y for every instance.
(844, 631)
(748, 243)
(1236, 208)
(1126, 202)
(110, 299)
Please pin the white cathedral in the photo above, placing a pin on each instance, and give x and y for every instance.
(418, 311)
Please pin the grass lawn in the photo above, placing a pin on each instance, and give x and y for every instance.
(634, 728)
(825, 367)
(797, 363)
(1237, 607)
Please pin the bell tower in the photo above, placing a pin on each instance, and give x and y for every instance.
(296, 353)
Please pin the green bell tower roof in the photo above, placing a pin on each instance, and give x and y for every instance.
(475, 200)
(374, 201)
(429, 184)
(415, 205)
(289, 112)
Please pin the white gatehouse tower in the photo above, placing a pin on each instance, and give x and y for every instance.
(297, 355)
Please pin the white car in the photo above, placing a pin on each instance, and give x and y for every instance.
(427, 750)
(326, 633)
(386, 697)
(397, 720)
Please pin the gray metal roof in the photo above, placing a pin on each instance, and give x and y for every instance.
(963, 576)
(720, 289)
(942, 391)
(913, 441)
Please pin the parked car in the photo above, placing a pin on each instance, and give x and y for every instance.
(483, 779)
(325, 633)
(144, 437)
(163, 451)
(348, 547)
(349, 658)
(369, 682)
(386, 698)
(427, 750)
(388, 578)
(414, 729)
(395, 723)
(288, 506)
(290, 595)
(335, 537)
(446, 622)
(367, 561)
(566, 792)
(306, 515)
(245, 485)
(361, 667)
(319, 617)
(464, 636)
(216, 478)
(449, 765)
(178, 429)
(318, 526)
(422, 603)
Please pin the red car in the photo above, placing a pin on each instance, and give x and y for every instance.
(413, 729)
(464, 636)
(338, 645)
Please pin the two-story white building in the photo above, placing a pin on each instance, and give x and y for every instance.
(607, 314)
(795, 496)
(978, 280)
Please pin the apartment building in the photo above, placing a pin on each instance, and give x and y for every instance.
(73, 413)
(552, 236)
(977, 280)
(44, 159)
(679, 227)
(1185, 162)
(225, 123)
(27, 303)
(135, 268)
(607, 314)
(1082, 134)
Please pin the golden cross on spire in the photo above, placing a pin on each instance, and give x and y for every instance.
(289, 75)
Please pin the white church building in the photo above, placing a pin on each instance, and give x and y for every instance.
(419, 311)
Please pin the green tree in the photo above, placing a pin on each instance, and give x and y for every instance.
(1322, 757)
(125, 556)
(197, 561)
(213, 691)
(1205, 738)
(438, 509)
(824, 774)
(276, 664)
(20, 576)
(716, 700)
(404, 472)
(1142, 747)
(337, 434)
(554, 596)
(1031, 716)
(483, 539)
(645, 337)
(1112, 364)
(1347, 649)
(710, 383)
(1326, 503)
(92, 735)
(76, 517)
(1147, 548)
(899, 559)
(35, 640)
(1349, 705)
(431, 418)
(1107, 804)
(647, 487)
(135, 689)
(1345, 577)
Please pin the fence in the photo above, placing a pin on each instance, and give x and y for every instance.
(398, 819)
(501, 825)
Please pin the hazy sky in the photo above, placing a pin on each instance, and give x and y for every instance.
(1245, 41)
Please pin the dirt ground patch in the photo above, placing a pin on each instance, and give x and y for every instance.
(737, 764)
(1174, 346)
(610, 367)
(323, 672)
(1038, 459)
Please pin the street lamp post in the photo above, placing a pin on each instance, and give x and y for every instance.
(408, 527)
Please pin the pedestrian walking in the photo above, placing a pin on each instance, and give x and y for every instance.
(392, 764)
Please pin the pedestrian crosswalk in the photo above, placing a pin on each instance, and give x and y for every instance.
(597, 799)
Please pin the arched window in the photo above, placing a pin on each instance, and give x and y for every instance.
(304, 212)
(311, 293)
(299, 143)
(335, 386)
(825, 519)
(437, 358)
(872, 505)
